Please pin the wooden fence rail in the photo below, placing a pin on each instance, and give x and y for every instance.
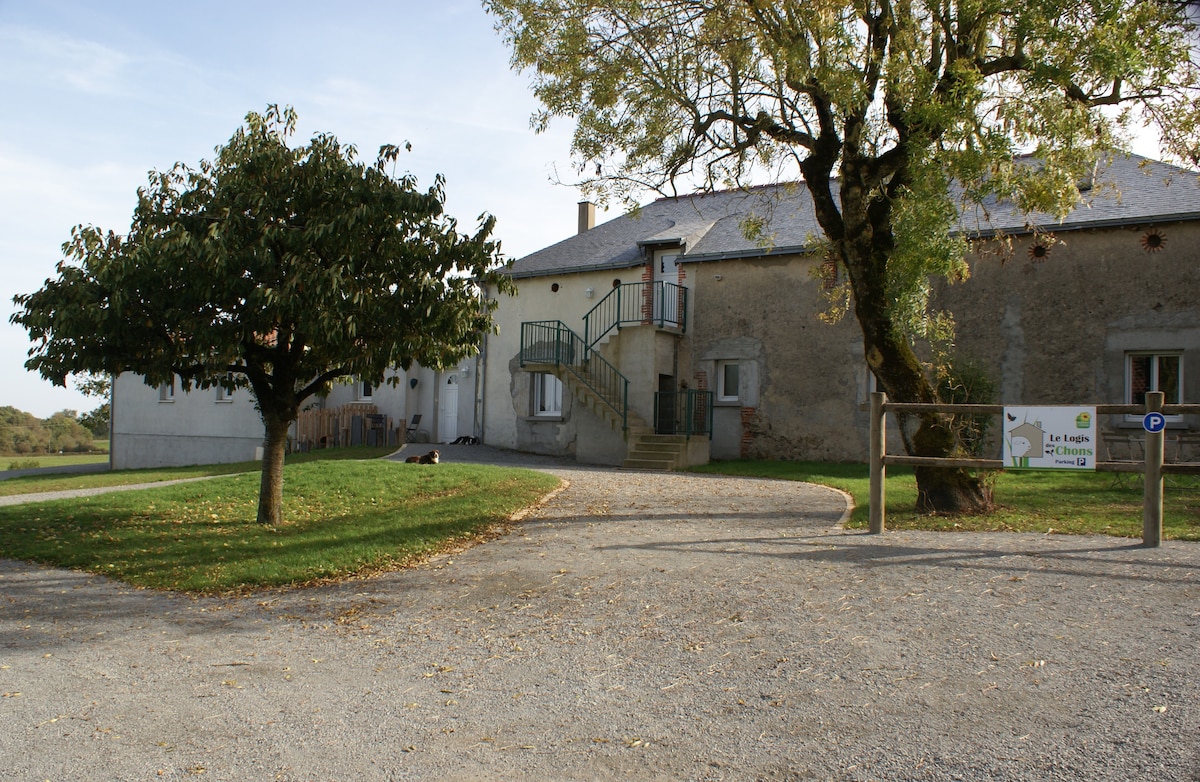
(1152, 466)
(355, 424)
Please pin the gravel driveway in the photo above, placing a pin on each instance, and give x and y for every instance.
(636, 626)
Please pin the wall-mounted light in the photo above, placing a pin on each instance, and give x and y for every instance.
(412, 383)
(464, 370)
(589, 292)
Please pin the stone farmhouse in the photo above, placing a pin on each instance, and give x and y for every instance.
(636, 341)
(666, 336)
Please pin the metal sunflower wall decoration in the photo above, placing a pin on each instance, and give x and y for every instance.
(1153, 240)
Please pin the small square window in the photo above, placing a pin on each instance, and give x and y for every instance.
(728, 381)
(366, 392)
(166, 391)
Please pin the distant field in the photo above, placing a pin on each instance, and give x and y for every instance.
(26, 461)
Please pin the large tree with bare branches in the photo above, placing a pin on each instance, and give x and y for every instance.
(889, 110)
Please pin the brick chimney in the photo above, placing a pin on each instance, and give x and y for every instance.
(587, 216)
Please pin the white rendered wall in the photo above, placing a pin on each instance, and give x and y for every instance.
(191, 428)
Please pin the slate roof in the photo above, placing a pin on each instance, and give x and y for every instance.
(1131, 190)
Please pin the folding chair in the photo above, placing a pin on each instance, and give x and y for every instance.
(1186, 451)
(1123, 448)
(411, 431)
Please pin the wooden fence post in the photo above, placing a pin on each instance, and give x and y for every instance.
(1152, 503)
(878, 470)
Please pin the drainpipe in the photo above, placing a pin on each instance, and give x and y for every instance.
(480, 389)
(112, 416)
(480, 384)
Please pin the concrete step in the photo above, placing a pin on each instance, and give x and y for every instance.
(648, 464)
(655, 451)
(659, 450)
(658, 440)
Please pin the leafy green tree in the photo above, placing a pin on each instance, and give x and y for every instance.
(92, 384)
(274, 267)
(96, 420)
(879, 106)
(22, 433)
(67, 433)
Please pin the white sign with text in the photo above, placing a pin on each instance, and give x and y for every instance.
(1050, 438)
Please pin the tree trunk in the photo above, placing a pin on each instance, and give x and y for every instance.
(946, 489)
(866, 243)
(270, 493)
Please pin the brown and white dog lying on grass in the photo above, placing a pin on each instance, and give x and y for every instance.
(429, 458)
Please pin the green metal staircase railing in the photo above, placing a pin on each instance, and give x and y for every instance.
(688, 412)
(552, 342)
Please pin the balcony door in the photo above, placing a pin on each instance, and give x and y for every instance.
(448, 430)
(665, 304)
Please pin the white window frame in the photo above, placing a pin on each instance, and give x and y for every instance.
(545, 395)
(166, 391)
(723, 394)
(1154, 355)
(366, 391)
(225, 396)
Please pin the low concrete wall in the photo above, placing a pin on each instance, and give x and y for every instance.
(137, 451)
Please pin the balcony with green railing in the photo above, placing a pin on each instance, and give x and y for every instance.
(551, 342)
(661, 304)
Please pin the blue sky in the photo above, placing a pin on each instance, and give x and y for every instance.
(95, 95)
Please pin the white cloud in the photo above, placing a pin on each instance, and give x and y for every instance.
(97, 95)
(40, 57)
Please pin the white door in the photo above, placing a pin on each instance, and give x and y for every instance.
(448, 428)
(666, 303)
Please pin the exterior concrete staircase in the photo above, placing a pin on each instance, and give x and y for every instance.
(551, 347)
(582, 388)
(646, 450)
(650, 451)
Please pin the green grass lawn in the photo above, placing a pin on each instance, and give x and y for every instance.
(343, 518)
(1027, 501)
(33, 460)
(33, 484)
(347, 516)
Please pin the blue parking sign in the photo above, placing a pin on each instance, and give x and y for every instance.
(1154, 422)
